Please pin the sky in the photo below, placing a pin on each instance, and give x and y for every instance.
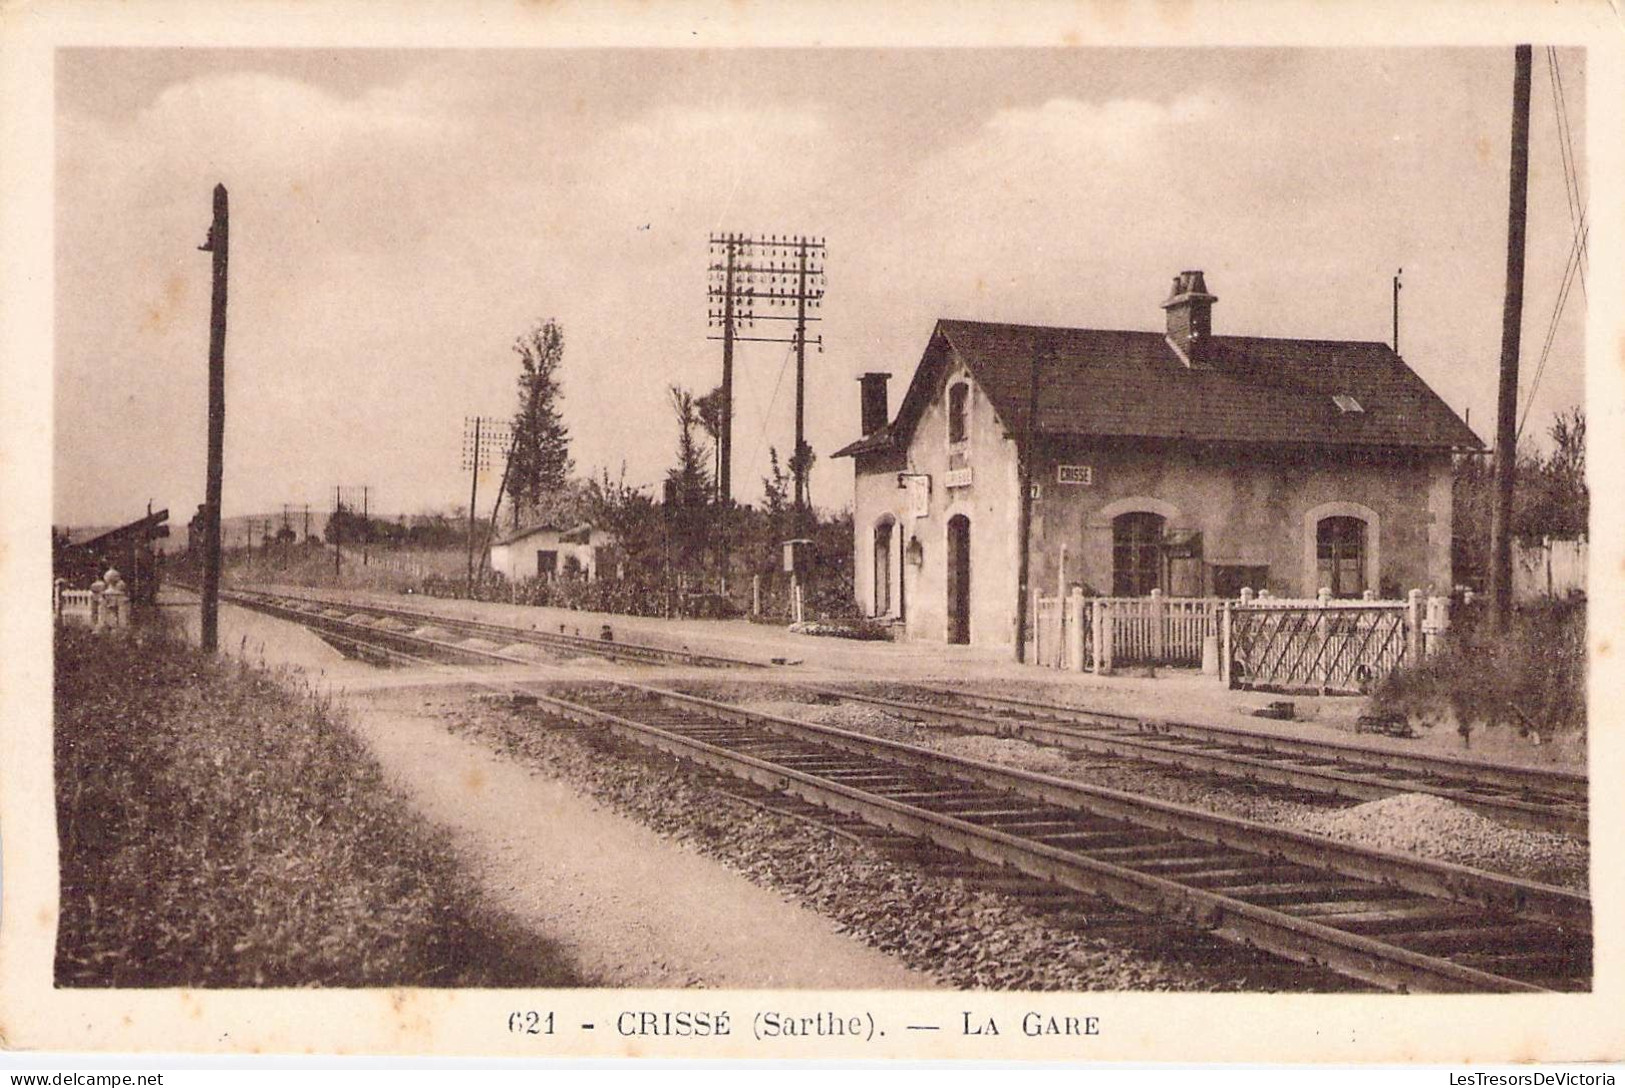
(399, 218)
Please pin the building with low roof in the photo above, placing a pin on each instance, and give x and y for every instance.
(1175, 460)
(551, 551)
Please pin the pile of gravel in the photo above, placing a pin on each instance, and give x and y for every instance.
(1145, 779)
(858, 717)
(947, 926)
(1434, 827)
(1419, 824)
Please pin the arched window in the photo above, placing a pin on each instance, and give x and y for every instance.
(1340, 551)
(958, 408)
(883, 567)
(1136, 553)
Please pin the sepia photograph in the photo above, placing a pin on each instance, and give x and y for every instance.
(936, 536)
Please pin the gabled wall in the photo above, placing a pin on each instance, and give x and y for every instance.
(989, 503)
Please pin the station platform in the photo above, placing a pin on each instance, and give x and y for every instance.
(1159, 694)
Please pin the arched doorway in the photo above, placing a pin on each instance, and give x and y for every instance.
(883, 568)
(959, 579)
(1137, 553)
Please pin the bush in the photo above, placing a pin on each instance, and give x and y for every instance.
(1532, 679)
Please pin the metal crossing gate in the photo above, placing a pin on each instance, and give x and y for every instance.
(1329, 648)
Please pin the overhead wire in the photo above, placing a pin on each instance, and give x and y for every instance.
(1564, 289)
(1575, 264)
(767, 416)
(1565, 147)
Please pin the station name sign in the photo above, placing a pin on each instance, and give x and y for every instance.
(1082, 475)
(957, 477)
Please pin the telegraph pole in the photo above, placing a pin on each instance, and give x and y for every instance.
(481, 437)
(366, 525)
(802, 450)
(1024, 528)
(337, 529)
(1397, 285)
(473, 497)
(725, 440)
(775, 271)
(218, 245)
(1506, 428)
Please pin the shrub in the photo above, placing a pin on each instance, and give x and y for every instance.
(1532, 679)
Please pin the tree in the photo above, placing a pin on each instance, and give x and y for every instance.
(1550, 497)
(712, 409)
(540, 462)
(1558, 502)
(688, 487)
(691, 477)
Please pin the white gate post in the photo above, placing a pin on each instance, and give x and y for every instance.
(1224, 643)
(1159, 611)
(1074, 631)
(1108, 629)
(1413, 626)
(1097, 635)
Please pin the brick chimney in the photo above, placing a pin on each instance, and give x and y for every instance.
(1190, 315)
(876, 412)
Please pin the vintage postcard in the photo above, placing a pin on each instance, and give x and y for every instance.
(1070, 532)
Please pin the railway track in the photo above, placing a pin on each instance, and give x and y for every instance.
(1389, 920)
(349, 619)
(1522, 797)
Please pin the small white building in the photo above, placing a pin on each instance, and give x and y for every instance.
(551, 552)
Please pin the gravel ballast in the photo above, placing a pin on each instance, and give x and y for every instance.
(952, 927)
(1420, 824)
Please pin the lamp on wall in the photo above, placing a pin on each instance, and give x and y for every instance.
(915, 552)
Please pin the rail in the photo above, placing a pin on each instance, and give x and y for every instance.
(1390, 920)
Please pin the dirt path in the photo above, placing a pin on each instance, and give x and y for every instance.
(630, 908)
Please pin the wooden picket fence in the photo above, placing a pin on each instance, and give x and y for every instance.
(1549, 568)
(1098, 633)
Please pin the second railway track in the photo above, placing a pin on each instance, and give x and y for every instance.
(1390, 920)
(1521, 797)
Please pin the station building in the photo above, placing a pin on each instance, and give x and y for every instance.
(1176, 460)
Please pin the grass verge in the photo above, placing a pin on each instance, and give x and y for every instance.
(221, 827)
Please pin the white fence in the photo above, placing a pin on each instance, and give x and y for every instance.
(1552, 568)
(1098, 633)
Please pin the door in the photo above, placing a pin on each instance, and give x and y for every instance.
(882, 565)
(959, 579)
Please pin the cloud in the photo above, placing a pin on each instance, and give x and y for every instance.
(1120, 123)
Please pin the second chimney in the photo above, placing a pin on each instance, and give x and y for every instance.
(876, 412)
(1190, 314)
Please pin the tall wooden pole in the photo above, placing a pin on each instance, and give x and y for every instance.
(473, 498)
(218, 245)
(1397, 285)
(1024, 526)
(725, 443)
(337, 532)
(491, 529)
(801, 380)
(1506, 422)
